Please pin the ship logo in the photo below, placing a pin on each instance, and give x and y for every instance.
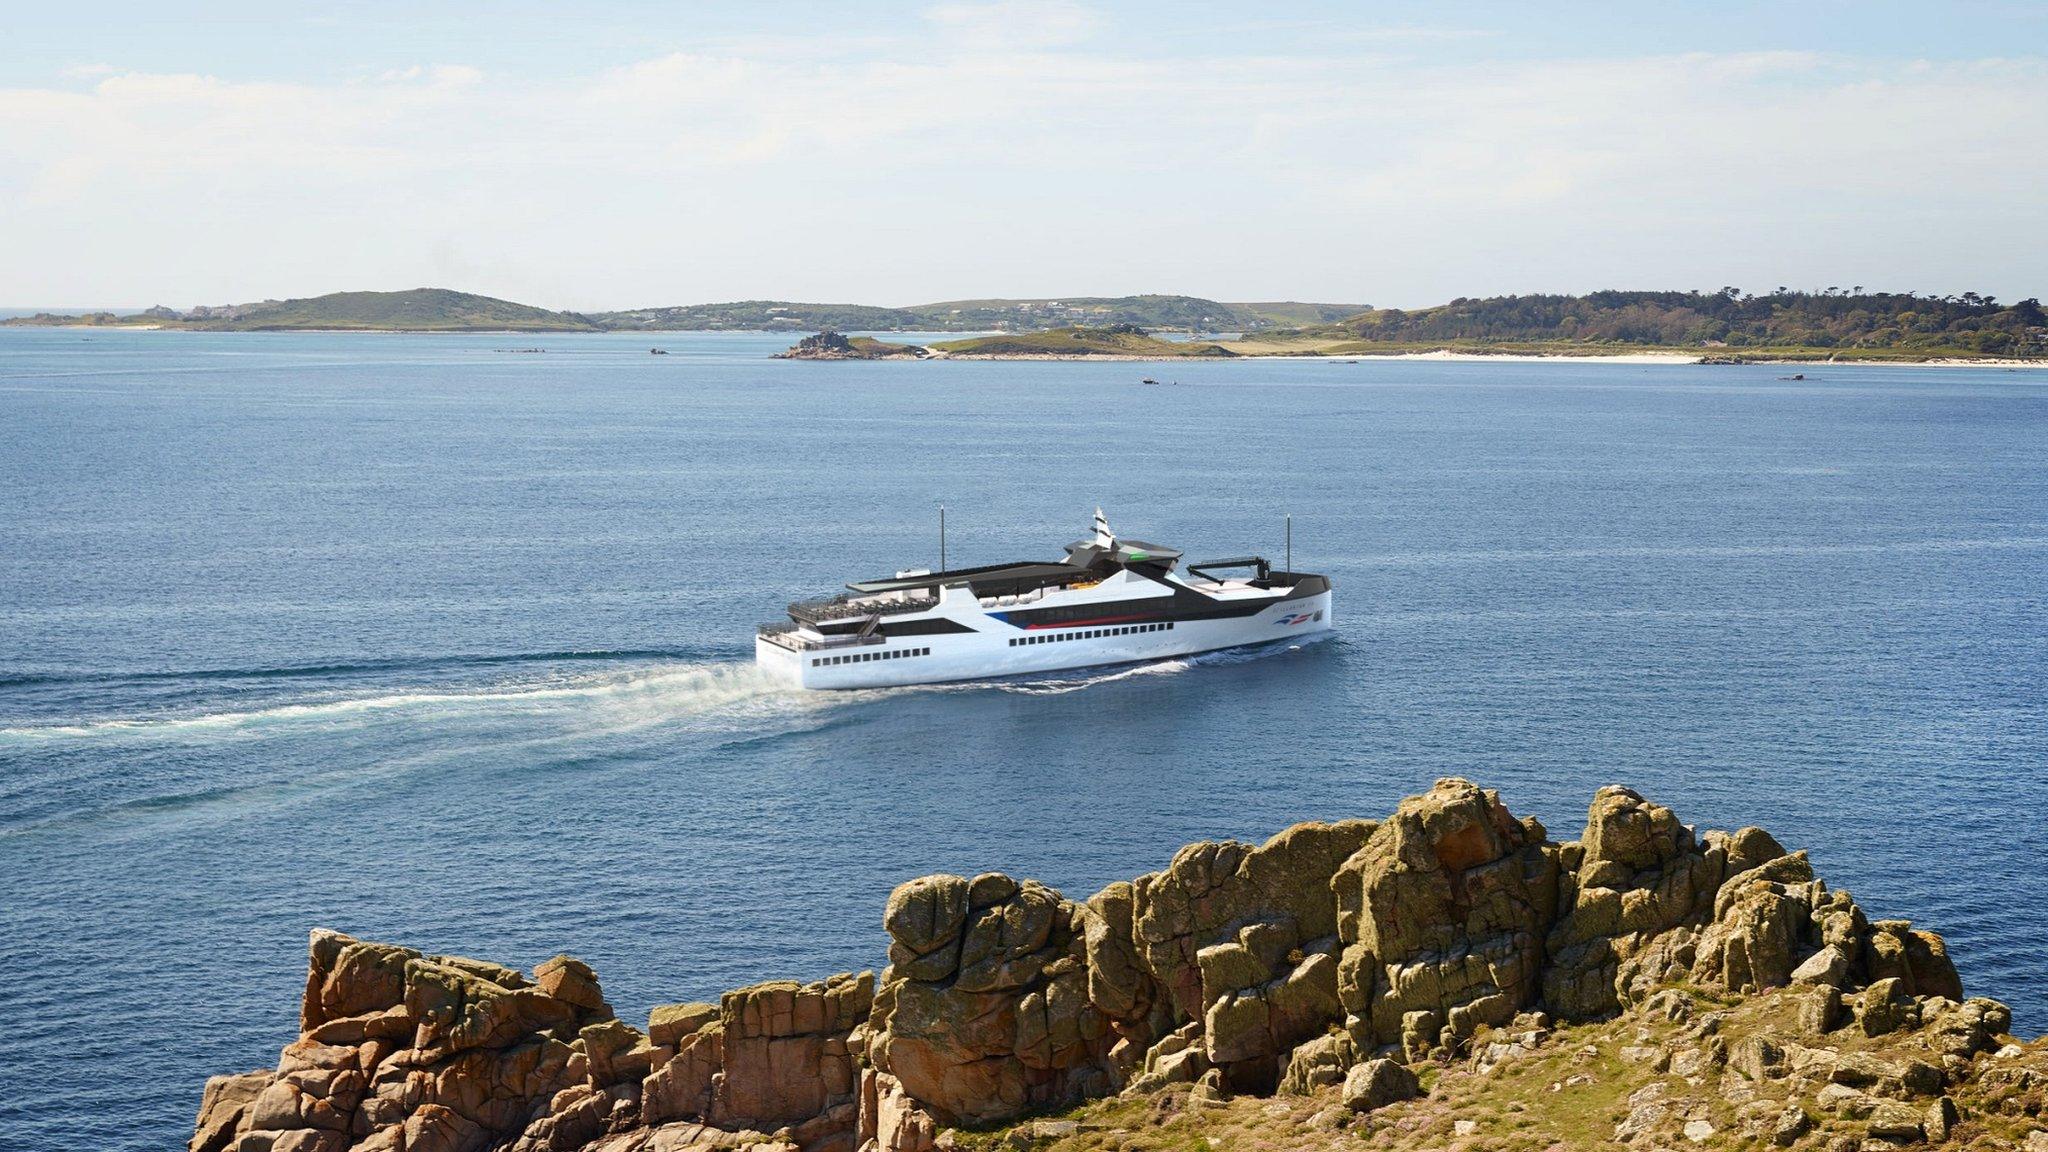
(1297, 618)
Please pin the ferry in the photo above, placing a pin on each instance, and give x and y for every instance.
(1110, 601)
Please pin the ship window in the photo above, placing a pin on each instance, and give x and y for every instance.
(1319, 614)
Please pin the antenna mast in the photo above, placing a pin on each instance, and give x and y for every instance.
(1290, 543)
(942, 539)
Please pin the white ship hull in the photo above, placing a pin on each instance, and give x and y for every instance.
(1110, 602)
(986, 653)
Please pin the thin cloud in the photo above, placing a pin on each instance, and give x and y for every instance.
(743, 170)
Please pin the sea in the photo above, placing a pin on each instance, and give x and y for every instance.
(446, 640)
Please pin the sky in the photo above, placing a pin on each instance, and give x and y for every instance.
(616, 155)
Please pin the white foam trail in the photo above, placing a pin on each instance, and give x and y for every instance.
(617, 699)
(1062, 687)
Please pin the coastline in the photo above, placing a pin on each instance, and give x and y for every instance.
(1440, 355)
(1447, 356)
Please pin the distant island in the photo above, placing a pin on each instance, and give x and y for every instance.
(416, 310)
(833, 346)
(1728, 326)
(1178, 313)
(443, 310)
(1127, 341)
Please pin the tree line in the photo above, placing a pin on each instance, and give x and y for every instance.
(1825, 318)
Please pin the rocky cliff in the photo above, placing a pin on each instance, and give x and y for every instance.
(1447, 977)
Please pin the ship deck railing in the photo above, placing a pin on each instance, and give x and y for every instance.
(784, 634)
(857, 607)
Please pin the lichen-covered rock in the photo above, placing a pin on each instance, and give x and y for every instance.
(1378, 1083)
(1452, 927)
(996, 1017)
(787, 1051)
(1761, 919)
(1636, 875)
(349, 977)
(1244, 939)
(1318, 1063)
(1213, 891)
(1444, 907)
(670, 1023)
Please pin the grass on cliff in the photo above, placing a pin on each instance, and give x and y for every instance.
(1568, 1093)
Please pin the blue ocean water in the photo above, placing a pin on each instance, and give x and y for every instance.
(441, 644)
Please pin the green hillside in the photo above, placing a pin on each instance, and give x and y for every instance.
(419, 309)
(1783, 324)
(1180, 313)
(1294, 313)
(1186, 313)
(415, 310)
(1118, 340)
(763, 315)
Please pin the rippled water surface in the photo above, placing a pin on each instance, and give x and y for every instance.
(447, 645)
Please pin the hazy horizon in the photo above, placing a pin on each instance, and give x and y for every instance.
(640, 156)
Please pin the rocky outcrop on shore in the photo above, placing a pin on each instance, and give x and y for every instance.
(833, 346)
(1364, 977)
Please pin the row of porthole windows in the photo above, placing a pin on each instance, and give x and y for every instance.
(1126, 630)
(864, 657)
